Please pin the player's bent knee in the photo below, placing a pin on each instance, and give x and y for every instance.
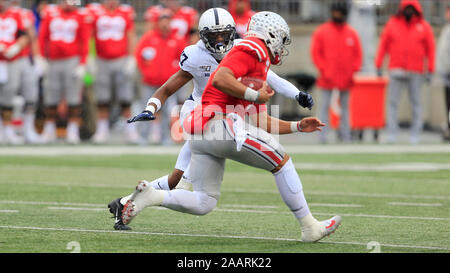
(282, 163)
(207, 204)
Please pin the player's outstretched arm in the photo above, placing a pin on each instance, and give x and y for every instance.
(287, 89)
(281, 127)
(225, 81)
(172, 85)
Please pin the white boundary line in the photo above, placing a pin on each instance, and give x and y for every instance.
(9, 211)
(415, 204)
(211, 236)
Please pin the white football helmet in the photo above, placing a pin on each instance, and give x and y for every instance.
(217, 31)
(273, 30)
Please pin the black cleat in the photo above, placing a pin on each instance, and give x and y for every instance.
(115, 207)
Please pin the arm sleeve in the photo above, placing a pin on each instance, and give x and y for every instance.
(282, 86)
(317, 51)
(382, 47)
(357, 61)
(43, 37)
(430, 49)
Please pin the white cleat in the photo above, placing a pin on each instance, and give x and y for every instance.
(144, 196)
(31, 137)
(73, 139)
(319, 230)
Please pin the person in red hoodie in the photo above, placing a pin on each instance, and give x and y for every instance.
(157, 55)
(336, 52)
(409, 41)
(242, 12)
(63, 40)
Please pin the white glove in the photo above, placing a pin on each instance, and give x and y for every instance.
(12, 51)
(91, 66)
(80, 71)
(130, 66)
(40, 66)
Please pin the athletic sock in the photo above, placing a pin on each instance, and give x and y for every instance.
(291, 190)
(161, 183)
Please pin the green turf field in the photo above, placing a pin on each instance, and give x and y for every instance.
(49, 201)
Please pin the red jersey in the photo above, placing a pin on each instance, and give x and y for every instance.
(110, 30)
(64, 35)
(183, 20)
(10, 25)
(249, 58)
(157, 56)
(27, 18)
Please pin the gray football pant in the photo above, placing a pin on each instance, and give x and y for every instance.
(413, 82)
(344, 125)
(261, 150)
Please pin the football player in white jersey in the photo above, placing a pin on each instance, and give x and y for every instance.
(197, 62)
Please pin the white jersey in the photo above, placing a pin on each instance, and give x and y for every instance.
(198, 61)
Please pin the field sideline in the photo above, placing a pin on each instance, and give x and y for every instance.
(393, 198)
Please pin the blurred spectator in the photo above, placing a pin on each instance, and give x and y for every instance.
(242, 12)
(114, 33)
(409, 41)
(13, 38)
(28, 73)
(443, 67)
(184, 19)
(337, 54)
(63, 40)
(157, 54)
(37, 8)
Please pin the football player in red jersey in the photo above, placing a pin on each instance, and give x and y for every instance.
(184, 19)
(63, 40)
(115, 38)
(29, 73)
(219, 133)
(14, 37)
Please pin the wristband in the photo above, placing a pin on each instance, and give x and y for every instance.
(251, 95)
(151, 108)
(295, 126)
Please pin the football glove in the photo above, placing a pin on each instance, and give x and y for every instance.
(144, 116)
(305, 100)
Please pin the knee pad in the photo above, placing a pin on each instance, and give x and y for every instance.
(74, 111)
(207, 202)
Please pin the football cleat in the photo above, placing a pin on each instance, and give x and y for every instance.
(319, 230)
(115, 207)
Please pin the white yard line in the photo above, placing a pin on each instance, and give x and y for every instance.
(9, 211)
(173, 150)
(211, 236)
(415, 204)
(73, 208)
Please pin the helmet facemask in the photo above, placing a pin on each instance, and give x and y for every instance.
(218, 41)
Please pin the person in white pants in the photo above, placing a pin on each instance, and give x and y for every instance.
(221, 134)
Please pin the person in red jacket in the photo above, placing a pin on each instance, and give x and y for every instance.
(157, 55)
(409, 41)
(184, 19)
(336, 52)
(63, 40)
(242, 12)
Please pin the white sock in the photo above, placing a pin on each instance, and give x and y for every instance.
(49, 128)
(291, 190)
(73, 129)
(102, 126)
(28, 122)
(161, 183)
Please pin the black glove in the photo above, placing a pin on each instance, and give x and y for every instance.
(305, 100)
(144, 116)
(379, 73)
